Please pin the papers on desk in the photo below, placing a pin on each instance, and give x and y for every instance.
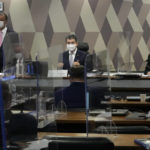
(145, 142)
(57, 73)
(136, 116)
(133, 98)
(103, 116)
(37, 145)
(129, 73)
(125, 74)
(136, 98)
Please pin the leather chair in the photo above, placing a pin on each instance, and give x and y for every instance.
(83, 46)
(22, 127)
(74, 143)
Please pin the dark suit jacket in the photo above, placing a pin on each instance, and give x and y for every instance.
(64, 58)
(147, 68)
(74, 96)
(7, 54)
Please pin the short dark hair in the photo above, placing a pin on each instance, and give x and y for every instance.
(72, 36)
(77, 72)
(4, 14)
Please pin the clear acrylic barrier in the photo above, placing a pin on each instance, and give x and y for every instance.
(98, 87)
(124, 60)
(31, 90)
(34, 90)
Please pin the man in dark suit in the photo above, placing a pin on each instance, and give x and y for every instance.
(74, 95)
(3, 30)
(7, 40)
(73, 56)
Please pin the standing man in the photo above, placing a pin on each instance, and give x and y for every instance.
(73, 56)
(7, 41)
(3, 30)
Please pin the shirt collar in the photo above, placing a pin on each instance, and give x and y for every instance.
(4, 30)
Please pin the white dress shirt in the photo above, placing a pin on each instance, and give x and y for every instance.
(4, 33)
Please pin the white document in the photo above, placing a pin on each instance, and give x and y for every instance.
(57, 73)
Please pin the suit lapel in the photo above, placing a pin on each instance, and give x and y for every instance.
(77, 56)
(67, 59)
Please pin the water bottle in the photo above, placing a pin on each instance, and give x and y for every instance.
(18, 68)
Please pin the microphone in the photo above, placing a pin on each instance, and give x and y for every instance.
(36, 56)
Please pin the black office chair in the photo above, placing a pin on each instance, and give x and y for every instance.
(22, 127)
(96, 95)
(74, 143)
(83, 46)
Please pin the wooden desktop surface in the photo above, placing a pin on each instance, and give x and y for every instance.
(120, 141)
(80, 117)
(126, 102)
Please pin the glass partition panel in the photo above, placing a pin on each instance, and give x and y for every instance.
(98, 93)
(48, 80)
(18, 92)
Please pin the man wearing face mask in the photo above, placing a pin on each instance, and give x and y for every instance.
(3, 30)
(73, 56)
(7, 38)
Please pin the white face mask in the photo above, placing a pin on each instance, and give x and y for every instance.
(18, 55)
(1, 24)
(71, 47)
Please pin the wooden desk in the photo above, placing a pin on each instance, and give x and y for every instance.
(121, 141)
(80, 117)
(131, 105)
(126, 102)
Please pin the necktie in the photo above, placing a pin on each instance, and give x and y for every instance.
(71, 59)
(1, 38)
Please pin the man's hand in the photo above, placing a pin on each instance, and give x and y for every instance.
(148, 73)
(60, 65)
(76, 63)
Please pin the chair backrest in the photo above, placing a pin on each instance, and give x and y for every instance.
(83, 46)
(74, 143)
(96, 95)
(22, 126)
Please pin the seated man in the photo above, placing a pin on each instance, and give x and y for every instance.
(73, 56)
(74, 95)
